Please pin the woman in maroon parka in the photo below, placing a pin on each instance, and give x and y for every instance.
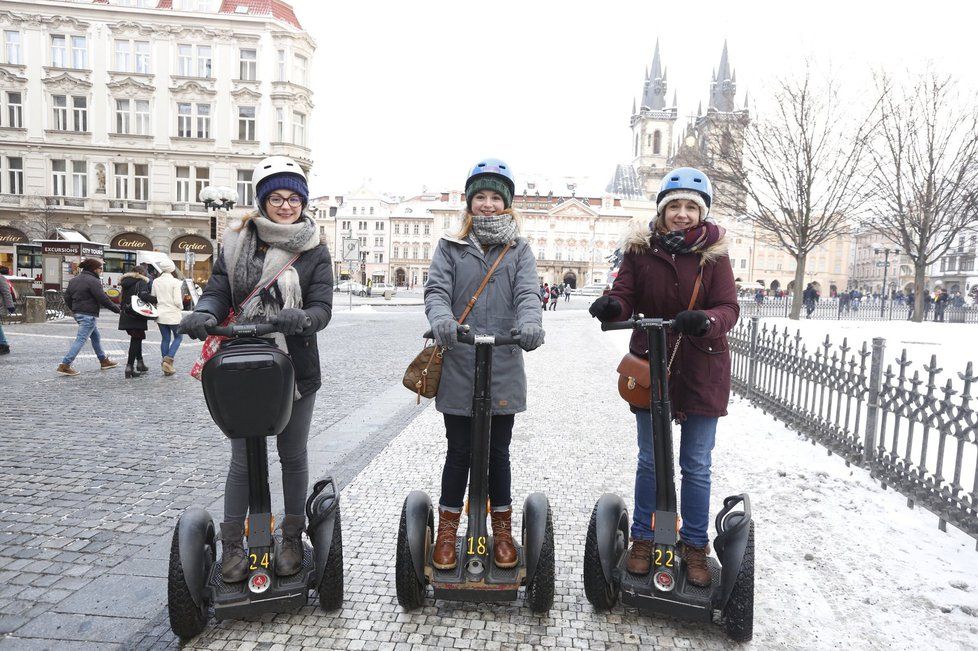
(656, 278)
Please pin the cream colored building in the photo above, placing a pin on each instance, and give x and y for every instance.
(114, 114)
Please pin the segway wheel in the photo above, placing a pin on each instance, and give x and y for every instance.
(601, 594)
(738, 614)
(187, 620)
(410, 587)
(540, 589)
(330, 588)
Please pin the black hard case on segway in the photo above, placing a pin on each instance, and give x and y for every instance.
(249, 387)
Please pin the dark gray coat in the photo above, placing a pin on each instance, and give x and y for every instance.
(134, 284)
(315, 269)
(85, 295)
(509, 301)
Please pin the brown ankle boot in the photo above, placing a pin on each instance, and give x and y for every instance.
(288, 555)
(640, 557)
(234, 561)
(503, 549)
(443, 558)
(168, 366)
(697, 571)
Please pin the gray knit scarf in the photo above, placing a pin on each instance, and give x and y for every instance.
(247, 270)
(497, 229)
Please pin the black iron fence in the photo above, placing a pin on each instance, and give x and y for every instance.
(54, 307)
(867, 309)
(913, 429)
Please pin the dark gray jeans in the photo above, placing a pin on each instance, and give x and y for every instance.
(291, 445)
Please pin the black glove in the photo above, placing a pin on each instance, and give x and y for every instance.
(531, 337)
(291, 321)
(691, 322)
(445, 333)
(195, 325)
(605, 308)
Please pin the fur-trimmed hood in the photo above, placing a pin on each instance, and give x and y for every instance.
(133, 274)
(638, 240)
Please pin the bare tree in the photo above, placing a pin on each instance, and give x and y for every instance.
(40, 220)
(925, 165)
(800, 176)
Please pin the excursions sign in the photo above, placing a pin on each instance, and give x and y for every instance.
(55, 247)
(10, 235)
(132, 242)
(193, 243)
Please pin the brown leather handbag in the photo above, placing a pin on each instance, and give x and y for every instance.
(424, 372)
(634, 377)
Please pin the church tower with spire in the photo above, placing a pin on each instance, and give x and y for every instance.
(653, 127)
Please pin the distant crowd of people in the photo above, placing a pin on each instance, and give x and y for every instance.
(550, 294)
(849, 301)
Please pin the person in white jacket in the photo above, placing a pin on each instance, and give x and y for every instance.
(169, 296)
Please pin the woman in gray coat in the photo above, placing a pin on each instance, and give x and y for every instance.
(509, 301)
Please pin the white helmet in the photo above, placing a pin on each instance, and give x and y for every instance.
(274, 165)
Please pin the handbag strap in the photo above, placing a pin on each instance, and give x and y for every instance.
(485, 281)
(692, 302)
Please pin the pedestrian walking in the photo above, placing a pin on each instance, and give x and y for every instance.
(85, 296)
(255, 250)
(554, 295)
(545, 296)
(810, 298)
(169, 302)
(662, 265)
(567, 293)
(134, 283)
(940, 304)
(910, 305)
(460, 262)
(7, 304)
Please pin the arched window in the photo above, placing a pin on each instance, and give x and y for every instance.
(657, 143)
(427, 251)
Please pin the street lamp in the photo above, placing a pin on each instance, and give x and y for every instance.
(886, 251)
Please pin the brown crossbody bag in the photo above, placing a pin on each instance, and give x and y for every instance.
(424, 372)
(634, 381)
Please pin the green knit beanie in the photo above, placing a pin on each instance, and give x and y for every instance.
(487, 182)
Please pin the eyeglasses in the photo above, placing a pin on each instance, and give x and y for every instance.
(277, 200)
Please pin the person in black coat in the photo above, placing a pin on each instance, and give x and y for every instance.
(277, 251)
(84, 296)
(135, 283)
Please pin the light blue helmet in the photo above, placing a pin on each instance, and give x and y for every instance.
(686, 178)
(496, 168)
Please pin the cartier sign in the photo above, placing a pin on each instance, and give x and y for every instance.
(192, 243)
(132, 241)
(12, 236)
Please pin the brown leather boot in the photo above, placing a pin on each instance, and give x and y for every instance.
(443, 558)
(697, 571)
(640, 557)
(234, 561)
(107, 363)
(168, 366)
(503, 549)
(288, 554)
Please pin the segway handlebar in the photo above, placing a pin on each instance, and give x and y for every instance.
(248, 329)
(637, 324)
(466, 337)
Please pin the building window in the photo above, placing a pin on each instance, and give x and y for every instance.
(15, 110)
(378, 257)
(279, 124)
(427, 250)
(397, 228)
(15, 175)
(79, 52)
(59, 178)
(142, 117)
(246, 191)
(299, 129)
(378, 241)
(11, 47)
(79, 178)
(193, 120)
(59, 51)
(248, 65)
(301, 69)
(371, 210)
(378, 226)
(185, 60)
(427, 229)
(657, 142)
(345, 226)
(132, 116)
(281, 65)
(123, 115)
(79, 113)
(194, 61)
(191, 179)
(362, 226)
(132, 56)
(246, 123)
(415, 230)
(60, 103)
(415, 252)
(354, 210)
(204, 60)
(397, 252)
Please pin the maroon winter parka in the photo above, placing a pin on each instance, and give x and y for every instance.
(653, 282)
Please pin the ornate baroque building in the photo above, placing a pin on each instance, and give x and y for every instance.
(114, 114)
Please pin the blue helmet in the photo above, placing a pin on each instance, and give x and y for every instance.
(687, 178)
(494, 167)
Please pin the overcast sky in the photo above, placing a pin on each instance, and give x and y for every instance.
(411, 94)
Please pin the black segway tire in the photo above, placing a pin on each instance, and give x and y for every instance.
(540, 589)
(738, 614)
(330, 589)
(601, 594)
(187, 620)
(410, 587)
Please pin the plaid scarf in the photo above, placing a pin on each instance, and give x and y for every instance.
(689, 240)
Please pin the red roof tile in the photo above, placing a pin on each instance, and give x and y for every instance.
(274, 8)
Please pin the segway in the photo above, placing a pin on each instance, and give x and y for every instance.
(729, 599)
(475, 576)
(249, 387)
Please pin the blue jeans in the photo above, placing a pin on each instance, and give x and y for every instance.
(87, 329)
(167, 332)
(695, 458)
(3, 337)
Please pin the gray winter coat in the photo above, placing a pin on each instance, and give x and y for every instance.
(509, 301)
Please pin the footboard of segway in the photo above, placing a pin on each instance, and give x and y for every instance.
(271, 594)
(497, 584)
(686, 601)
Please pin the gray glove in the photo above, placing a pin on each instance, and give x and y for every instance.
(446, 333)
(531, 337)
(195, 325)
(291, 321)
